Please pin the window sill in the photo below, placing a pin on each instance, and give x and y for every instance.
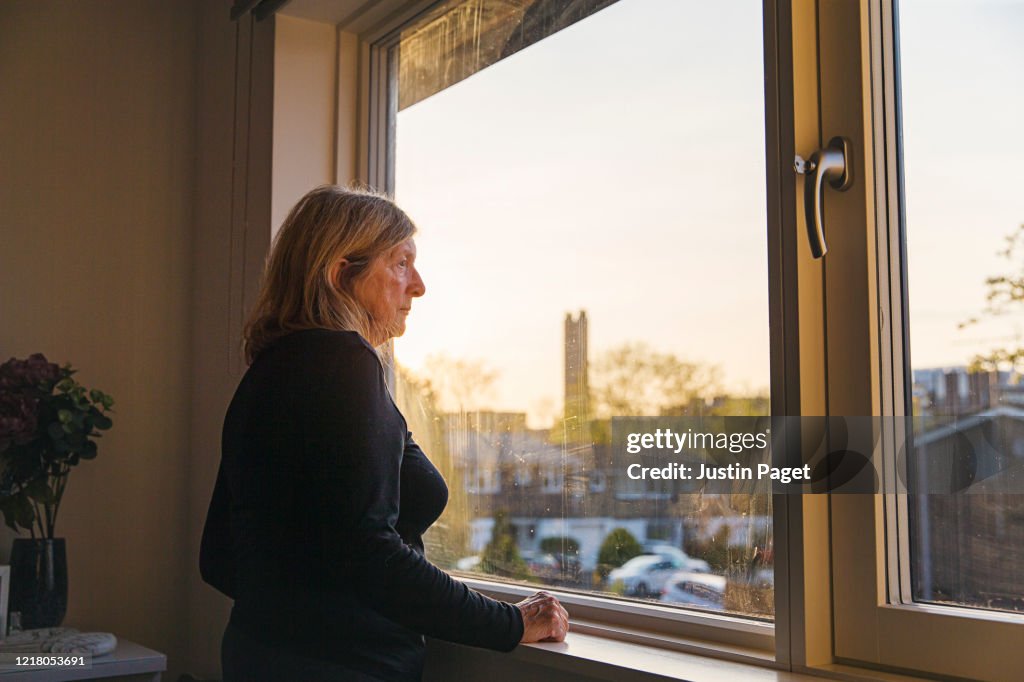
(600, 657)
(613, 651)
(584, 656)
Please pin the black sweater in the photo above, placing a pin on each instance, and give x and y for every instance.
(315, 524)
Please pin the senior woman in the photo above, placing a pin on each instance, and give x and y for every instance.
(322, 495)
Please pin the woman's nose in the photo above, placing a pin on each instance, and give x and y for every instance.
(418, 288)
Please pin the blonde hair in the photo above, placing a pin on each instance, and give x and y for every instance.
(298, 291)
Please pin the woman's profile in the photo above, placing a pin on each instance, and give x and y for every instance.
(322, 495)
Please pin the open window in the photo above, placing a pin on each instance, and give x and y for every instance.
(920, 323)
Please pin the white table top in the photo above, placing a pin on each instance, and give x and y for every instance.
(127, 659)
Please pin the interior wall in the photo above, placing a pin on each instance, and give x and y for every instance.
(235, 110)
(305, 78)
(97, 132)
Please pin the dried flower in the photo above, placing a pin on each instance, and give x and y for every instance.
(17, 419)
(34, 372)
(48, 424)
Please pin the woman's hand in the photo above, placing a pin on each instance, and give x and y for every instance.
(544, 619)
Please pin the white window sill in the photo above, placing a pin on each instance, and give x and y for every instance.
(592, 657)
(604, 651)
(612, 659)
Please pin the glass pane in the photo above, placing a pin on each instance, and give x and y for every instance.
(587, 256)
(962, 66)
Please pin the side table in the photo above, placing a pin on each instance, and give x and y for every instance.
(129, 662)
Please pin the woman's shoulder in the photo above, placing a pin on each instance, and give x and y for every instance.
(323, 356)
(323, 344)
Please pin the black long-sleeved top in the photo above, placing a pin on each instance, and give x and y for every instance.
(315, 524)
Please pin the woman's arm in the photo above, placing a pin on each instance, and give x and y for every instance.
(355, 440)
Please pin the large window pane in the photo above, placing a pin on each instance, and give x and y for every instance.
(962, 67)
(593, 241)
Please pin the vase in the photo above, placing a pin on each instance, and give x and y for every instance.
(39, 581)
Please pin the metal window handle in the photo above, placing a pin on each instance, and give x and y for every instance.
(832, 164)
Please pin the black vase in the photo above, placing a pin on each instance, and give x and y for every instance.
(39, 582)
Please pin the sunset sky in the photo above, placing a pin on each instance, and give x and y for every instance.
(618, 167)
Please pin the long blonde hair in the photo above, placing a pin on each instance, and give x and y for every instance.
(298, 290)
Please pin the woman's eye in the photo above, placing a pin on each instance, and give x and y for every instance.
(404, 263)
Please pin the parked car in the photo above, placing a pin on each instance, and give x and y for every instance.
(695, 589)
(468, 563)
(569, 567)
(644, 575)
(684, 560)
(541, 565)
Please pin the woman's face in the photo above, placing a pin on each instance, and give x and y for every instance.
(387, 288)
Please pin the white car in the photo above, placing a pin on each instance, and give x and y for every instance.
(678, 556)
(643, 576)
(695, 589)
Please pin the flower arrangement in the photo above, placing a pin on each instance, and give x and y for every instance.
(48, 423)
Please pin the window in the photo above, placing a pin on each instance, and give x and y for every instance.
(575, 166)
(586, 261)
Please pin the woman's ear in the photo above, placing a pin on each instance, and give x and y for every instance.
(337, 270)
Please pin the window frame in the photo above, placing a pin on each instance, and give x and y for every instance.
(876, 622)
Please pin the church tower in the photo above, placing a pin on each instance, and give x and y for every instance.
(577, 381)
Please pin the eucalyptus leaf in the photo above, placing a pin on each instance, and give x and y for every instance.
(24, 513)
(89, 451)
(39, 490)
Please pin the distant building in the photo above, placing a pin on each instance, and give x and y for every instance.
(957, 391)
(577, 379)
(969, 547)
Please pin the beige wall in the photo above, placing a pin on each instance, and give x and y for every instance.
(97, 173)
(305, 79)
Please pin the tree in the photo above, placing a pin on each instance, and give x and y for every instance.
(559, 546)
(501, 555)
(1005, 295)
(634, 380)
(445, 384)
(458, 384)
(448, 539)
(619, 547)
